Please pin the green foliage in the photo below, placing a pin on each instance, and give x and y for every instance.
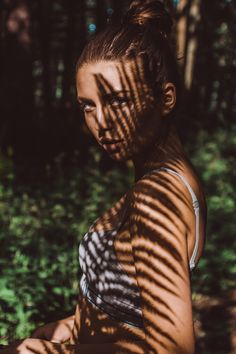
(214, 158)
(40, 229)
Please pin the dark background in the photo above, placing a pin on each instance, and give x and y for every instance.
(55, 181)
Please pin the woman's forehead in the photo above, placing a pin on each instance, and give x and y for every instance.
(119, 74)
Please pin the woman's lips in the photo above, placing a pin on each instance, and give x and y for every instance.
(111, 145)
(105, 141)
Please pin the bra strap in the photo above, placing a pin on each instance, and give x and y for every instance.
(196, 211)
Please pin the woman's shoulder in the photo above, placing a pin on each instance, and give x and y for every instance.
(170, 190)
(156, 195)
(157, 183)
(161, 200)
(178, 181)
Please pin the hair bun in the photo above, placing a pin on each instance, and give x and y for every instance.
(147, 12)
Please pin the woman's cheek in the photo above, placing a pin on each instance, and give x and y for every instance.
(91, 125)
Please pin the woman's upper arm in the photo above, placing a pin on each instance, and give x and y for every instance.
(158, 227)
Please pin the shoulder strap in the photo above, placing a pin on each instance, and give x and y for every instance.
(195, 207)
(196, 211)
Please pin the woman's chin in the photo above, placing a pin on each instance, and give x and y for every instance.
(118, 156)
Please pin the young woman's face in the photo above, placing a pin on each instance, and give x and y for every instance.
(119, 106)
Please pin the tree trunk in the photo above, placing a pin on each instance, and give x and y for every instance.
(45, 48)
(192, 42)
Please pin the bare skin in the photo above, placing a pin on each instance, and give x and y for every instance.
(56, 332)
(160, 217)
(97, 327)
(100, 328)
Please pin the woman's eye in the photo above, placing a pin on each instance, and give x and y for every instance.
(86, 107)
(118, 102)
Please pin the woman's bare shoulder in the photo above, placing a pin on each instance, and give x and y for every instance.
(161, 182)
(162, 198)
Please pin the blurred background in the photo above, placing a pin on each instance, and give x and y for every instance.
(55, 180)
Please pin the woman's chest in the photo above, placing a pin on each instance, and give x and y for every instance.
(107, 245)
(109, 277)
(106, 255)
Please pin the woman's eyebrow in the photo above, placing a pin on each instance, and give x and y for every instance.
(83, 99)
(105, 96)
(114, 92)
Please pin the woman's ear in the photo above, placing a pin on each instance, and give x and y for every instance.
(169, 98)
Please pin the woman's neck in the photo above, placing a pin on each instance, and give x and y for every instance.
(168, 152)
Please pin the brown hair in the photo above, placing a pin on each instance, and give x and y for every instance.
(146, 28)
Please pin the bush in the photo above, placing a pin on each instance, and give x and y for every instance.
(214, 158)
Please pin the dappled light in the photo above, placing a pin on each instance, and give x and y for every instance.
(145, 242)
(143, 274)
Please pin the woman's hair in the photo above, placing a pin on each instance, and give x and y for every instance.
(146, 28)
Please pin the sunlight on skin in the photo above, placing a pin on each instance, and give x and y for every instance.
(127, 118)
(166, 292)
(39, 346)
(159, 264)
(57, 332)
(158, 222)
(117, 100)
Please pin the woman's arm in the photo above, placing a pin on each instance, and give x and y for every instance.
(60, 331)
(160, 214)
(46, 339)
(57, 332)
(39, 346)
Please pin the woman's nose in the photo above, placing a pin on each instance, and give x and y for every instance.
(103, 120)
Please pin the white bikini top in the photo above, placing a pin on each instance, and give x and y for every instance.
(105, 283)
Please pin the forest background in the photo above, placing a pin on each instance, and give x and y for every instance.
(55, 180)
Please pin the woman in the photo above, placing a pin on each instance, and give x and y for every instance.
(135, 292)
